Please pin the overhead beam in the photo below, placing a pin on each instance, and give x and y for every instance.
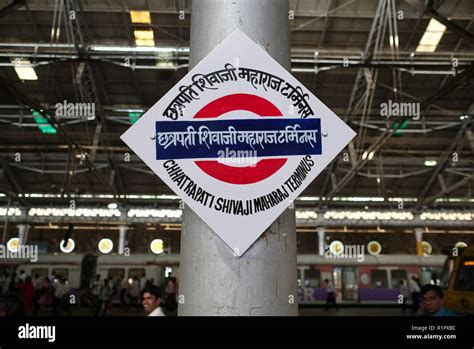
(320, 221)
(386, 135)
(449, 189)
(117, 175)
(441, 164)
(470, 138)
(450, 86)
(11, 7)
(13, 183)
(455, 28)
(72, 144)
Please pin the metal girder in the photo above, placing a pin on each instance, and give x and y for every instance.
(84, 71)
(11, 7)
(409, 223)
(373, 43)
(447, 190)
(326, 20)
(441, 164)
(321, 17)
(95, 141)
(450, 86)
(31, 102)
(385, 136)
(12, 181)
(320, 221)
(361, 89)
(72, 144)
(117, 175)
(466, 35)
(470, 138)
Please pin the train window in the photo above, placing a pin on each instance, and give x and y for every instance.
(379, 278)
(430, 275)
(397, 275)
(63, 272)
(465, 276)
(312, 278)
(138, 272)
(298, 278)
(42, 272)
(115, 273)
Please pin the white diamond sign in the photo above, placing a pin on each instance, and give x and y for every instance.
(238, 139)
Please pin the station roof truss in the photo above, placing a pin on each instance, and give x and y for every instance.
(357, 56)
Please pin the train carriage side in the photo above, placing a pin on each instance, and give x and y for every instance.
(373, 280)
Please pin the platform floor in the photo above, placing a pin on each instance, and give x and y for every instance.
(354, 311)
(303, 311)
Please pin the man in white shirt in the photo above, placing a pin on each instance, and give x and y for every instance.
(151, 300)
(22, 276)
(331, 295)
(143, 282)
(61, 289)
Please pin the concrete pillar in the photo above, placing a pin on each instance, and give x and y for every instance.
(121, 244)
(419, 241)
(321, 241)
(22, 233)
(212, 280)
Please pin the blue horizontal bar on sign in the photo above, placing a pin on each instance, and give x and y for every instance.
(265, 137)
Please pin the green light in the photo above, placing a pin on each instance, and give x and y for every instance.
(42, 123)
(134, 116)
(398, 127)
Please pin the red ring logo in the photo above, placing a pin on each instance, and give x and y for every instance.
(239, 175)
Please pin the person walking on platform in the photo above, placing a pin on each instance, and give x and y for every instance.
(104, 297)
(134, 292)
(331, 295)
(404, 292)
(415, 294)
(95, 296)
(142, 282)
(28, 293)
(60, 291)
(123, 286)
(38, 285)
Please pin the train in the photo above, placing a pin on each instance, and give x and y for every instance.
(371, 281)
(375, 280)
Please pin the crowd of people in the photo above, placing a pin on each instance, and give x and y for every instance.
(21, 294)
(26, 295)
